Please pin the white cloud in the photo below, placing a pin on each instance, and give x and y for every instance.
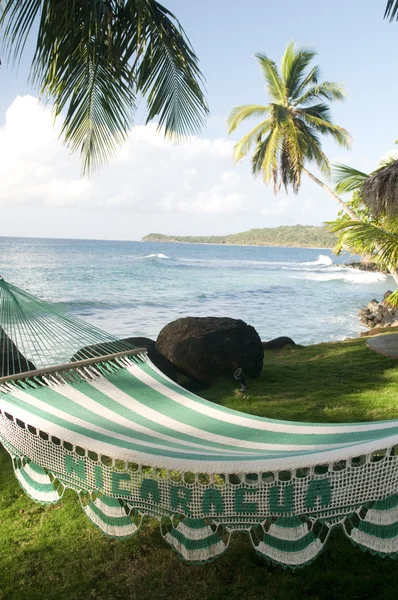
(148, 176)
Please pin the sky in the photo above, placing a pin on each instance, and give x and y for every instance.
(195, 188)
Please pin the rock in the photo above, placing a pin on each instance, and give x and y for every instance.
(386, 294)
(373, 304)
(378, 314)
(278, 343)
(12, 361)
(154, 355)
(160, 361)
(364, 266)
(205, 348)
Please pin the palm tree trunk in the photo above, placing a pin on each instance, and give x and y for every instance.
(347, 210)
(339, 201)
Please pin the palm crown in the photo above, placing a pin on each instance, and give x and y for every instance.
(298, 113)
(95, 58)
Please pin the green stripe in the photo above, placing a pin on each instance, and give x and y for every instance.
(111, 502)
(36, 468)
(188, 416)
(189, 544)
(194, 523)
(156, 426)
(386, 504)
(383, 532)
(121, 521)
(230, 411)
(39, 487)
(124, 444)
(289, 522)
(289, 545)
(56, 400)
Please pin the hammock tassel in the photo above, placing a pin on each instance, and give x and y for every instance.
(36, 482)
(195, 541)
(111, 516)
(289, 542)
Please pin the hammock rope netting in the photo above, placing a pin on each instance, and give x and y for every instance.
(132, 443)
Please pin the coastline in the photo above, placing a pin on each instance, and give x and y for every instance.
(236, 245)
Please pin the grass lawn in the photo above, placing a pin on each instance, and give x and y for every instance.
(55, 553)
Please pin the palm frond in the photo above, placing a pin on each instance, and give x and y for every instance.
(265, 160)
(326, 127)
(293, 147)
(381, 243)
(243, 112)
(168, 74)
(329, 90)
(243, 146)
(294, 63)
(311, 79)
(275, 86)
(392, 299)
(312, 147)
(94, 57)
(386, 162)
(347, 179)
(391, 11)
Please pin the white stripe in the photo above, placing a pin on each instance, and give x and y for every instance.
(291, 558)
(194, 534)
(388, 546)
(112, 417)
(196, 555)
(382, 517)
(40, 496)
(235, 418)
(111, 530)
(288, 533)
(106, 387)
(85, 424)
(265, 463)
(38, 477)
(110, 511)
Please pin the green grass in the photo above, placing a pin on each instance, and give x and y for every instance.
(55, 553)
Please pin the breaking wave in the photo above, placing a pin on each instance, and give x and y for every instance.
(156, 256)
(322, 261)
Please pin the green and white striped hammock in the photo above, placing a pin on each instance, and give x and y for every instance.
(133, 443)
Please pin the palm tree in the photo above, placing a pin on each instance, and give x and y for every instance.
(94, 59)
(288, 136)
(375, 235)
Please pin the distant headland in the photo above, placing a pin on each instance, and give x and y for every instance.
(298, 236)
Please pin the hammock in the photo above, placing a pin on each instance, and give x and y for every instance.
(132, 443)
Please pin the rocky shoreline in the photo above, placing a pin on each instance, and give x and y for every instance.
(370, 267)
(378, 316)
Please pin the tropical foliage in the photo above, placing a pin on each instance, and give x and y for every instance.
(95, 58)
(305, 236)
(288, 136)
(375, 235)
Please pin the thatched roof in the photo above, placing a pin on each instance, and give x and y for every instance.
(380, 191)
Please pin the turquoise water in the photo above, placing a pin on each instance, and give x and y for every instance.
(136, 288)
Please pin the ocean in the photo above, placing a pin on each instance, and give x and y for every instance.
(136, 288)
